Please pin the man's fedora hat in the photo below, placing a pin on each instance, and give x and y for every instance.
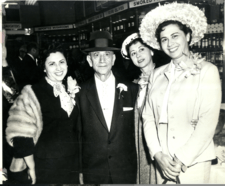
(100, 41)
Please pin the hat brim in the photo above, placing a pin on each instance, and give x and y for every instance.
(101, 49)
(187, 14)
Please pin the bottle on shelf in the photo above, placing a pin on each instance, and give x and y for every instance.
(209, 36)
(124, 25)
(114, 27)
(133, 22)
(121, 25)
(221, 14)
(129, 24)
(214, 40)
(118, 26)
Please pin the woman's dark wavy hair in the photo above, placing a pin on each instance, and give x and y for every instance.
(134, 42)
(182, 27)
(46, 54)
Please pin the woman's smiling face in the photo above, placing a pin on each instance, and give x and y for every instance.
(173, 41)
(56, 67)
(140, 55)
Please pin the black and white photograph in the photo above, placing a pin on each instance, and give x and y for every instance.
(112, 92)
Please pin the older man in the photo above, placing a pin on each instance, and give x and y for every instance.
(107, 118)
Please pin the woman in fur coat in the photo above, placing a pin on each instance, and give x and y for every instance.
(42, 128)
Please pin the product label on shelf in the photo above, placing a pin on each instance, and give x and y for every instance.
(95, 18)
(57, 27)
(137, 3)
(12, 26)
(116, 10)
(81, 23)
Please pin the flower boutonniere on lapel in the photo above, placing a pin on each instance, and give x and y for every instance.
(121, 87)
(73, 88)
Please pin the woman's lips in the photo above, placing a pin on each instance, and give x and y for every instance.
(59, 73)
(140, 61)
(173, 49)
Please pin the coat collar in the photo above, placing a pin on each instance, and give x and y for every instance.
(167, 72)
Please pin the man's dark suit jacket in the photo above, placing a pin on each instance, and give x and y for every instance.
(31, 71)
(107, 153)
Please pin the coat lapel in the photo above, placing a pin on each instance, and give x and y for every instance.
(118, 107)
(167, 71)
(92, 96)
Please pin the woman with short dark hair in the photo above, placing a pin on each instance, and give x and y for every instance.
(42, 128)
(141, 55)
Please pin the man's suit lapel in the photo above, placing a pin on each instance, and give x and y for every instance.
(117, 109)
(92, 96)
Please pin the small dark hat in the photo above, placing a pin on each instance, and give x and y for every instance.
(100, 41)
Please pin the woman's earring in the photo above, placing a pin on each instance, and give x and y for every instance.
(44, 70)
(188, 37)
(152, 53)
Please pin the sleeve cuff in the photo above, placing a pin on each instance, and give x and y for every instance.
(155, 152)
(23, 147)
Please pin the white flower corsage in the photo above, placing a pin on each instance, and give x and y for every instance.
(73, 88)
(122, 87)
(196, 67)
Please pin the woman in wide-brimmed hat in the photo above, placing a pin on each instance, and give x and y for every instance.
(134, 49)
(181, 112)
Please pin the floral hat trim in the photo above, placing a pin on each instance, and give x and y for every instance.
(187, 14)
(126, 42)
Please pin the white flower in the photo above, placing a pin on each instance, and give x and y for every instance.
(195, 68)
(122, 87)
(73, 88)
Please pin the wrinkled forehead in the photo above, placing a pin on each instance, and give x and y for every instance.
(101, 52)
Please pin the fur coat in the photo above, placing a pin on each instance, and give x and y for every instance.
(25, 117)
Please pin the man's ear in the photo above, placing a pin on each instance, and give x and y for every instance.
(33, 51)
(89, 60)
(114, 59)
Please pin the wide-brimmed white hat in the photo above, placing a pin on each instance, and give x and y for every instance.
(187, 14)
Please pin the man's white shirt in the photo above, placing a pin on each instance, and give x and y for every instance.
(106, 94)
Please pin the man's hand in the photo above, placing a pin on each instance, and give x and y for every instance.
(170, 168)
(81, 178)
(220, 153)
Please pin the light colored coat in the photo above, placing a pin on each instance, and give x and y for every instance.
(189, 144)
